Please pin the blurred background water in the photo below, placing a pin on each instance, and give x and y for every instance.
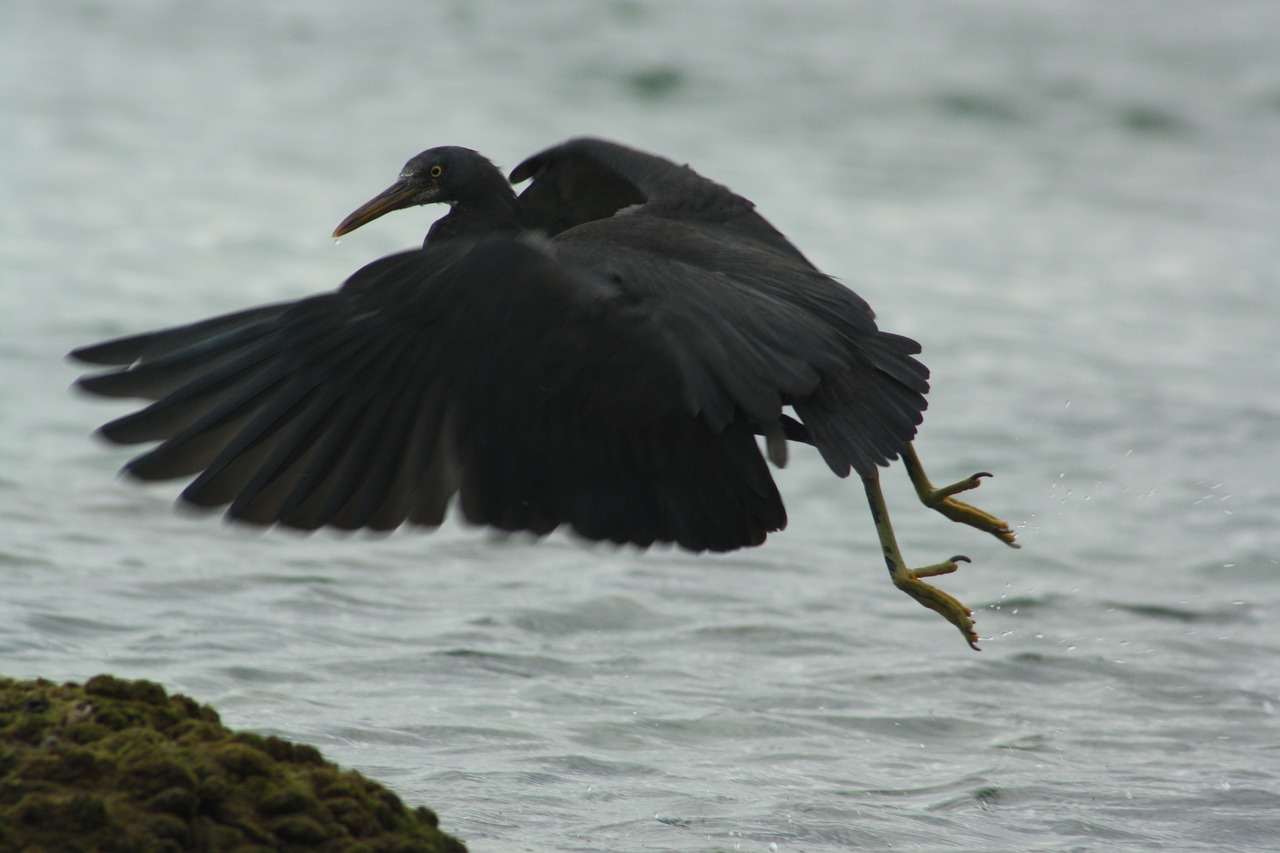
(1073, 204)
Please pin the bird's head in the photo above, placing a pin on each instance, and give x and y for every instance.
(445, 175)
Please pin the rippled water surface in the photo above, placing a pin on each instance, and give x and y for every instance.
(1074, 205)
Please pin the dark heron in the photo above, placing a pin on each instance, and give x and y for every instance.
(600, 352)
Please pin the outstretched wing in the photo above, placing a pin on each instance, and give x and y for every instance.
(538, 390)
(587, 179)
(770, 331)
(858, 417)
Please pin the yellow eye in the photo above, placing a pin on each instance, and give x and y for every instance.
(437, 170)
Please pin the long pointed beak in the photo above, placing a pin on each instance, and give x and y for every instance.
(394, 197)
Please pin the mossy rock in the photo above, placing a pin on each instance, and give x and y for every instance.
(121, 766)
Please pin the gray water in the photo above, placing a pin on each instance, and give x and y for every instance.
(1074, 205)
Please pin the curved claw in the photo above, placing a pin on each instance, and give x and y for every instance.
(942, 500)
(944, 604)
(976, 518)
(943, 568)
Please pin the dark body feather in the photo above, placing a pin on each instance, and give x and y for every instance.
(601, 353)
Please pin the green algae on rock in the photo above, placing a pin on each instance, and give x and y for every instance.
(120, 765)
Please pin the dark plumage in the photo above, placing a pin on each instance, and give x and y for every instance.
(600, 352)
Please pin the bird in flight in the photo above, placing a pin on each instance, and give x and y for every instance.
(607, 351)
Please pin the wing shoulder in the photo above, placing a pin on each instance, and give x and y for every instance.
(587, 179)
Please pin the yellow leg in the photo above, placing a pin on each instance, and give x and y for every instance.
(943, 502)
(908, 580)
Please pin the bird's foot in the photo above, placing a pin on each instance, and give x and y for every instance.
(909, 580)
(943, 500)
(949, 607)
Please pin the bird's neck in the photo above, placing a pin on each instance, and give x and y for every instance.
(485, 215)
